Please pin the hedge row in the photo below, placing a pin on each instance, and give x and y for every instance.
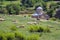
(18, 36)
(16, 8)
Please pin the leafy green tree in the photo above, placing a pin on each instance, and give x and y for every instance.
(27, 3)
(13, 9)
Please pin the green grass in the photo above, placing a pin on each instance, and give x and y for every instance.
(5, 26)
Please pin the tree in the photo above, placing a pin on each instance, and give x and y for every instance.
(27, 3)
(1, 7)
(13, 9)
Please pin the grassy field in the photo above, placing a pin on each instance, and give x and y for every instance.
(18, 20)
(23, 26)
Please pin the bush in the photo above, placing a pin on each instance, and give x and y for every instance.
(13, 28)
(36, 28)
(54, 19)
(2, 36)
(50, 13)
(32, 37)
(53, 5)
(58, 3)
(46, 29)
(44, 5)
(3, 10)
(27, 3)
(52, 9)
(10, 36)
(19, 35)
(33, 28)
(13, 8)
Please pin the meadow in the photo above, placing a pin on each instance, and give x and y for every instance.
(16, 22)
(19, 24)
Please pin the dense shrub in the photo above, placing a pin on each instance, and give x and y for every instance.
(53, 5)
(19, 35)
(36, 28)
(2, 10)
(32, 37)
(58, 3)
(10, 36)
(52, 8)
(27, 3)
(44, 5)
(13, 8)
(23, 36)
(22, 8)
(53, 18)
(13, 28)
(50, 13)
(2, 36)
